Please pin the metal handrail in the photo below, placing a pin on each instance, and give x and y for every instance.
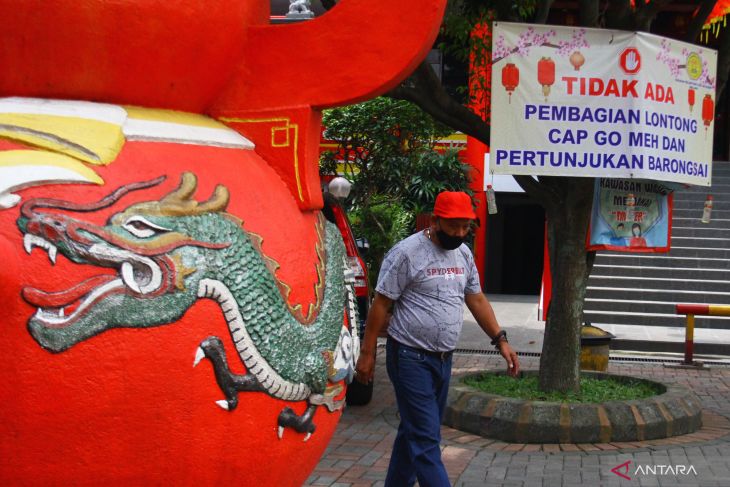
(692, 310)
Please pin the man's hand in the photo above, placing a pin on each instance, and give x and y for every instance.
(365, 368)
(482, 310)
(510, 356)
(377, 318)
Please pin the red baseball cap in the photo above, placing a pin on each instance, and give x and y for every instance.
(454, 204)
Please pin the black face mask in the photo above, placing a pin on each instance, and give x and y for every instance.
(447, 241)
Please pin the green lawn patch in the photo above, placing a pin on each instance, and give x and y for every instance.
(591, 390)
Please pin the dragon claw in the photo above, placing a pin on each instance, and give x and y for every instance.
(280, 432)
(199, 355)
(223, 404)
(309, 435)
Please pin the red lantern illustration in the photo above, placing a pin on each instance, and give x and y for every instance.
(691, 99)
(708, 111)
(577, 59)
(546, 74)
(510, 78)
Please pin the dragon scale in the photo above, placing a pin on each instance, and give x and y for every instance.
(284, 354)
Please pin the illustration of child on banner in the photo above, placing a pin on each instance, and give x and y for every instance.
(631, 215)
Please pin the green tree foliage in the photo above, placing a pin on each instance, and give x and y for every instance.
(567, 201)
(383, 222)
(432, 173)
(380, 142)
(387, 150)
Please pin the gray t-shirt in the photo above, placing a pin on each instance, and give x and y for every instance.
(428, 285)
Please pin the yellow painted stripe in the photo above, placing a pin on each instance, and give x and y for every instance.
(286, 124)
(454, 137)
(89, 140)
(719, 310)
(172, 116)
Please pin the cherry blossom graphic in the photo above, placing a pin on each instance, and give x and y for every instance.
(531, 38)
(676, 67)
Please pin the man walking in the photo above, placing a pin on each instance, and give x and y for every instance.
(425, 279)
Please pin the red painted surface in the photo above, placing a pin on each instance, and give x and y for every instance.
(475, 151)
(693, 309)
(220, 58)
(96, 50)
(480, 82)
(126, 407)
(703, 309)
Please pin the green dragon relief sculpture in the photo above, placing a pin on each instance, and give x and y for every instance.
(170, 253)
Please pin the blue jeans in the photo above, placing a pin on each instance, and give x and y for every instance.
(421, 384)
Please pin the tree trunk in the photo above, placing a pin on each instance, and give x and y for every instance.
(567, 220)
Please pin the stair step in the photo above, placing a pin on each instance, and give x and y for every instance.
(701, 252)
(643, 289)
(599, 318)
(672, 296)
(682, 220)
(696, 213)
(658, 272)
(661, 260)
(701, 233)
(626, 306)
(709, 243)
(652, 283)
(699, 197)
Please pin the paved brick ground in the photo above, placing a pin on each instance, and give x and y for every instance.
(360, 449)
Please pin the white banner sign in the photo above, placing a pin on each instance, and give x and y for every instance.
(599, 103)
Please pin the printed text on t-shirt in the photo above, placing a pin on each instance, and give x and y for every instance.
(447, 272)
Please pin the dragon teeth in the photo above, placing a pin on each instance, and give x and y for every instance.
(30, 241)
(199, 355)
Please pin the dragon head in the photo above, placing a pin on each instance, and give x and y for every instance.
(159, 251)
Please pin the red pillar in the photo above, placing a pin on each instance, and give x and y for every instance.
(475, 158)
(480, 82)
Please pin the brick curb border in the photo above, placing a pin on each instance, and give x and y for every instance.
(675, 412)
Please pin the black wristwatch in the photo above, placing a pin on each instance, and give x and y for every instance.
(499, 337)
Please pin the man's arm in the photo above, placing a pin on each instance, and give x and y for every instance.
(377, 318)
(482, 310)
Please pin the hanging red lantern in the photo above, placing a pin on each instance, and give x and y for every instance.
(577, 59)
(708, 111)
(691, 99)
(510, 79)
(546, 74)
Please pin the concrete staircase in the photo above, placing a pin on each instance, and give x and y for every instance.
(642, 290)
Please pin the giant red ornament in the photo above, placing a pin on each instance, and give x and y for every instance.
(173, 307)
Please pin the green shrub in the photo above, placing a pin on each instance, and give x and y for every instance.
(383, 221)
